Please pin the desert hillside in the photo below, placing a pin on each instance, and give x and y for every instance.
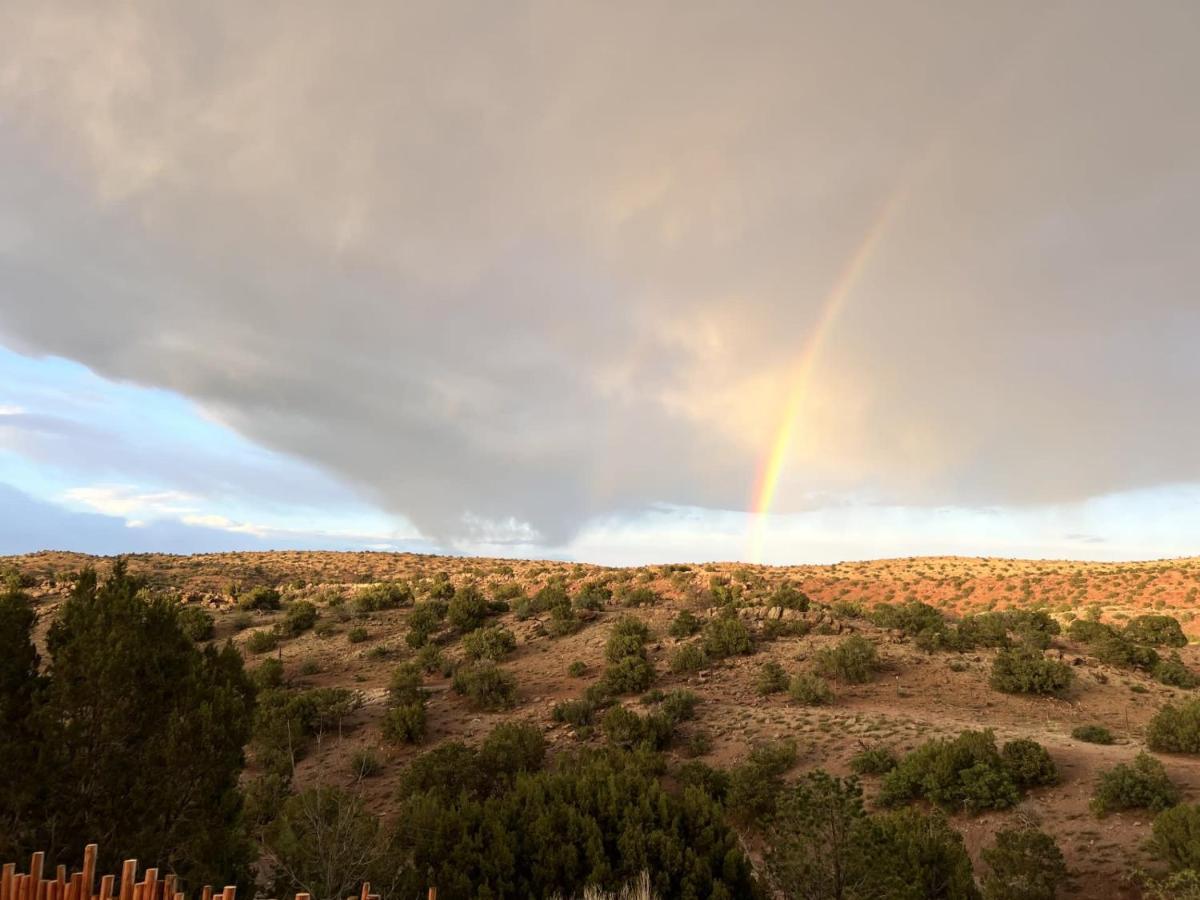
(362, 621)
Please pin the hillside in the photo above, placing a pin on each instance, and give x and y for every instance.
(916, 695)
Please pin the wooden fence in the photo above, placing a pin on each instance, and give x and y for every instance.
(36, 884)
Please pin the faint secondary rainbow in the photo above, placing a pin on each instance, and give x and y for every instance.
(767, 483)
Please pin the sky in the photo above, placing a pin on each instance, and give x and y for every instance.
(617, 282)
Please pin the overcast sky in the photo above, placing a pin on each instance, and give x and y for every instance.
(560, 278)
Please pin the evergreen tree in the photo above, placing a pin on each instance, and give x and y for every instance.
(20, 686)
(143, 735)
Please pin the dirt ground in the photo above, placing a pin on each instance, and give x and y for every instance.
(916, 697)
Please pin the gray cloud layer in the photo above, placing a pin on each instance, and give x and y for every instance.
(547, 261)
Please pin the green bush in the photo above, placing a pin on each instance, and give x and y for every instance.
(1142, 784)
(1028, 764)
(725, 636)
(196, 623)
(268, 674)
(593, 595)
(684, 625)
(627, 638)
(1088, 631)
(1092, 734)
(688, 658)
(824, 844)
(357, 635)
(1156, 631)
(1175, 728)
(468, 609)
(492, 643)
(771, 678)
(404, 724)
(365, 763)
(577, 669)
(1114, 650)
(512, 748)
(576, 713)
(810, 690)
(625, 728)
(1025, 864)
(679, 705)
(983, 630)
(262, 641)
(423, 621)
(755, 785)
(789, 596)
(1176, 837)
(1024, 670)
(967, 772)
(596, 819)
(853, 660)
(628, 675)
(261, 598)
(1173, 672)
(877, 760)
(911, 618)
(378, 597)
(299, 618)
(639, 596)
(486, 685)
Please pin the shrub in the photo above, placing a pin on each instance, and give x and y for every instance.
(754, 786)
(492, 643)
(196, 623)
(679, 705)
(771, 678)
(628, 675)
(684, 625)
(964, 773)
(262, 641)
(983, 630)
(576, 713)
(688, 658)
(511, 748)
(468, 608)
(726, 636)
(429, 659)
(853, 660)
(357, 635)
(1115, 650)
(300, 617)
(261, 598)
(1173, 672)
(405, 686)
(1028, 763)
(1142, 784)
(487, 686)
(365, 763)
(577, 669)
(1155, 630)
(385, 595)
(1092, 734)
(1088, 631)
(627, 729)
(810, 690)
(627, 638)
(789, 596)
(597, 818)
(825, 845)
(1025, 864)
(423, 621)
(269, 674)
(1175, 729)
(639, 596)
(1176, 836)
(404, 724)
(1024, 670)
(911, 618)
(876, 760)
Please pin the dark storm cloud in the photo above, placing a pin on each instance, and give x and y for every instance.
(542, 262)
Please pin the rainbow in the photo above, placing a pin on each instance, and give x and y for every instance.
(767, 483)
